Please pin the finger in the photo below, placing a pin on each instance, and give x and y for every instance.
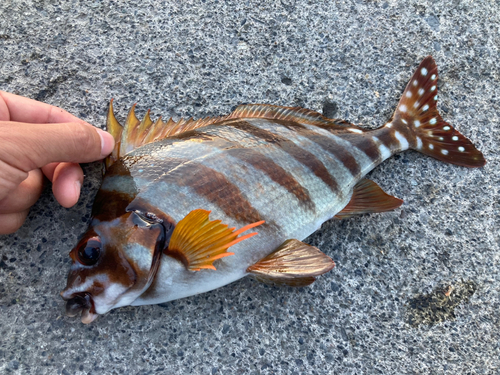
(48, 170)
(25, 195)
(10, 177)
(66, 184)
(31, 146)
(9, 223)
(21, 109)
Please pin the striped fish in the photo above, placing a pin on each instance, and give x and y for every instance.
(177, 196)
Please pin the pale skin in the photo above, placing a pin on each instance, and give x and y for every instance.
(37, 140)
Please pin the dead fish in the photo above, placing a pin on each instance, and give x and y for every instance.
(177, 195)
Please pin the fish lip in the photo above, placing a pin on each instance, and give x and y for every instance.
(88, 316)
(83, 303)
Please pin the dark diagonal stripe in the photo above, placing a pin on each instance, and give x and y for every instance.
(326, 144)
(388, 139)
(216, 188)
(364, 143)
(275, 173)
(302, 156)
(110, 204)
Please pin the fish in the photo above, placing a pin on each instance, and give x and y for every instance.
(189, 206)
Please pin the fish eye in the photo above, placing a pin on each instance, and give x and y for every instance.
(90, 253)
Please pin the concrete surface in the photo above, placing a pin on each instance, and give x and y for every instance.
(387, 308)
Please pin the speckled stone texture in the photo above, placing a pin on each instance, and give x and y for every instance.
(415, 291)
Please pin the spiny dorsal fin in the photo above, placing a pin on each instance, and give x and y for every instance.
(294, 263)
(296, 114)
(115, 129)
(368, 197)
(130, 131)
(137, 133)
(198, 242)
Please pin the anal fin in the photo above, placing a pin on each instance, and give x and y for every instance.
(294, 263)
(368, 197)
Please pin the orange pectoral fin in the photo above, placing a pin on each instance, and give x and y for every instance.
(198, 242)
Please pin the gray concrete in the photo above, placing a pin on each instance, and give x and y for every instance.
(383, 309)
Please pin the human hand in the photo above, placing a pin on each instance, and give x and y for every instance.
(38, 139)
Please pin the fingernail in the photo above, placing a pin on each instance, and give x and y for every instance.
(78, 188)
(107, 142)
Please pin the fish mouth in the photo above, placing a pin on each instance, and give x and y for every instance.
(84, 303)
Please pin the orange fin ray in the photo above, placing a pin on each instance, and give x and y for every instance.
(143, 129)
(115, 129)
(198, 242)
(368, 197)
(294, 263)
(129, 132)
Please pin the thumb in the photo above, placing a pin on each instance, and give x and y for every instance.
(30, 146)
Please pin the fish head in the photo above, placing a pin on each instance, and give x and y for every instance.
(113, 264)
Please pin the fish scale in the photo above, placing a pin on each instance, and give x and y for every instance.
(189, 206)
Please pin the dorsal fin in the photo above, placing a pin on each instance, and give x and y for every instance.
(130, 131)
(296, 114)
(115, 129)
(137, 133)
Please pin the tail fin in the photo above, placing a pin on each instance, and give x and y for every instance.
(429, 133)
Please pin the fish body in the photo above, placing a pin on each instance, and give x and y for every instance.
(279, 171)
(231, 159)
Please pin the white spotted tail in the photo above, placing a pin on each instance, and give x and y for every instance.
(429, 133)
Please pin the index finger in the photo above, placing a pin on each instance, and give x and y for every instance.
(21, 109)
